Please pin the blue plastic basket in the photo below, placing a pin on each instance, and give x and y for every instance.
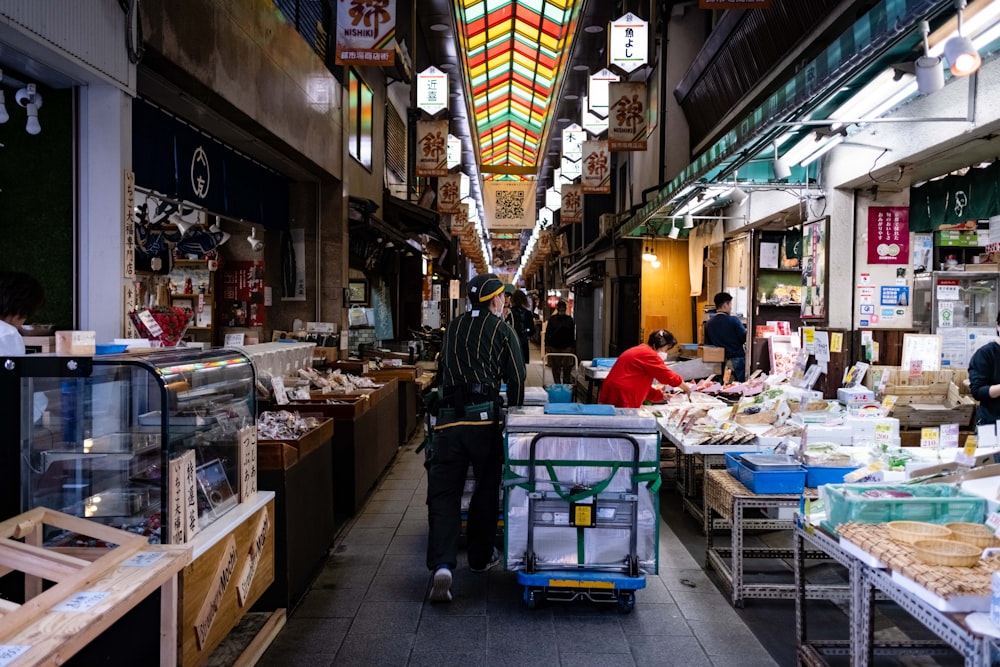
(560, 393)
(776, 481)
(733, 464)
(817, 476)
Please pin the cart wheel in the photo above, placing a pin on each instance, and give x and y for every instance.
(626, 601)
(532, 598)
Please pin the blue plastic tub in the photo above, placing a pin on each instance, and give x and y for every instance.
(778, 481)
(817, 476)
(560, 393)
(603, 362)
(110, 348)
(594, 409)
(733, 464)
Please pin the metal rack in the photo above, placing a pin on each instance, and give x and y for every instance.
(867, 583)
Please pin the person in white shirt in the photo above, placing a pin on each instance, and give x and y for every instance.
(20, 297)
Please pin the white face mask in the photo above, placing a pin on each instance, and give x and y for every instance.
(663, 355)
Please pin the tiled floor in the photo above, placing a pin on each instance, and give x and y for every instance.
(368, 605)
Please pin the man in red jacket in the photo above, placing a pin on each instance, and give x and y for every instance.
(630, 381)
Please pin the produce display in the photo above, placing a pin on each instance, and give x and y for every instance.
(171, 321)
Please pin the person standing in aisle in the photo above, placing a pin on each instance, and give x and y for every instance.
(725, 330)
(560, 337)
(478, 354)
(21, 296)
(630, 380)
(984, 380)
(524, 321)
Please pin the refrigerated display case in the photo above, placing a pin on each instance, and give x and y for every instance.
(960, 306)
(93, 436)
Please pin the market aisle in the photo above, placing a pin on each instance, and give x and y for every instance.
(368, 605)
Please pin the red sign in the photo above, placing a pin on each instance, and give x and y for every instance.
(888, 235)
(553, 301)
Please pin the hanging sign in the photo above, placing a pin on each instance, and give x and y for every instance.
(448, 195)
(888, 235)
(432, 90)
(454, 151)
(596, 168)
(546, 215)
(571, 169)
(366, 33)
(629, 37)
(553, 200)
(572, 203)
(460, 218)
(593, 123)
(597, 91)
(628, 127)
(573, 137)
(432, 147)
(509, 204)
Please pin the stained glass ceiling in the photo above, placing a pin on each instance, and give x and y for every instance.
(516, 52)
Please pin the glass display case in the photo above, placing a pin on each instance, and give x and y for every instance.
(961, 307)
(93, 436)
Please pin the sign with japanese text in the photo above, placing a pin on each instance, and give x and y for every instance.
(241, 302)
(628, 127)
(460, 218)
(629, 38)
(597, 91)
(449, 193)
(432, 90)
(572, 141)
(366, 33)
(247, 439)
(596, 168)
(572, 203)
(454, 151)
(594, 123)
(432, 148)
(888, 235)
(509, 204)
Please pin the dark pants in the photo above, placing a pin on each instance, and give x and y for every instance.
(562, 367)
(739, 365)
(448, 456)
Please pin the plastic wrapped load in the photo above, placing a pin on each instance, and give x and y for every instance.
(555, 541)
(535, 396)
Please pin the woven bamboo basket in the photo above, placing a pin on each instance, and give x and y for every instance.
(911, 532)
(947, 552)
(975, 534)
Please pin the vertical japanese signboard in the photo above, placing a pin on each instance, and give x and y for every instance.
(432, 148)
(596, 168)
(572, 203)
(432, 90)
(629, 37)
(627, 124)
(448, 198)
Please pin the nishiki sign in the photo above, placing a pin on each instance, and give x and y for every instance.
(366, 32)
(627, 124)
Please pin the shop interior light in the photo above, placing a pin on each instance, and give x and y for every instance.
(255, 243)
(655, 263)
(31, 100)
(216, 229)
(688, 221)
(675, 232)
(930, 74)
(959, 51)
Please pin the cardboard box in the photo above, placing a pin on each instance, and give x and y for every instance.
(711, 353)
(76, 342)
(330, 354)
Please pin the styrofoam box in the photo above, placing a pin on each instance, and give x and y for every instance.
(602, 546)
(838, 435)
(864, 427)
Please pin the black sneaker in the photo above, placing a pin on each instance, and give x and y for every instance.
(441, 586)
(494, 561)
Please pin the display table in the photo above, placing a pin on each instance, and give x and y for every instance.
(726, 497)
(407, 395)
(50, 629)
(594, 377)
(867, 581)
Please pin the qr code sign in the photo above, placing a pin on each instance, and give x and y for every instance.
(510, 205)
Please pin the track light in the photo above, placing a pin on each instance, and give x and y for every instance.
(959, 51)
(688, 221)
(178, 221)
(675, 231)
(255, 243)
(31, 100)
(779, 167)
(930, 74)
(737, 195)
(216, 229)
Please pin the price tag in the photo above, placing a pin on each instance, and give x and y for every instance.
(916, 369)
(883, 432)
(949, 435)
(888, 403)
(81, 601)
(143, 559)
(11, 652)
(930, 437)
(278, 385)
(836, 341)
(993, 521)
(201, 303)
(963, 459)
(150, 323)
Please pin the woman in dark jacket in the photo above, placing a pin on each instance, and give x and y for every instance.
(524, 321)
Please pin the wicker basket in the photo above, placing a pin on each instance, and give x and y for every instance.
(975, 534)
(914, 531)
(947, 552)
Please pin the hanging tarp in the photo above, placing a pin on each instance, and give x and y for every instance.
(955, 199)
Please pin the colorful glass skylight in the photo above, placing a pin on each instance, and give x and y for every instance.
(515, 54)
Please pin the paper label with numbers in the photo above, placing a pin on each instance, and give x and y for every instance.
(949, 435)
(81, 601)
(143, 559)
(10, 652)
(150, 323)
(930, 437)
(993, 521)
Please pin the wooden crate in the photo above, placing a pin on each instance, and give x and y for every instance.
(933, 410)
(346, 407)
(274, 455)
(899, 382)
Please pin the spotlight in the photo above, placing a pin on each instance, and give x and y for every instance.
(930, 74)
(255, 243)
(779, 167)
(31, 100)
(216, 229)
(675, 231)
(688, 221)
(737, 195)
(959, 51)
(178, 221)
(655, 263)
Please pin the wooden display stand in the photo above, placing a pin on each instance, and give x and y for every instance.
(233, 565)
(94, 588)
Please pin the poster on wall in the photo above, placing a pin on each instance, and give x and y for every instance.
(888, 235)
(293, 269)
(922, 252)
(241, 302)
(814, 269)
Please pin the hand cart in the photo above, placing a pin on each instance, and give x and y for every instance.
(584, 508)
(582, 533)
(555, 392)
